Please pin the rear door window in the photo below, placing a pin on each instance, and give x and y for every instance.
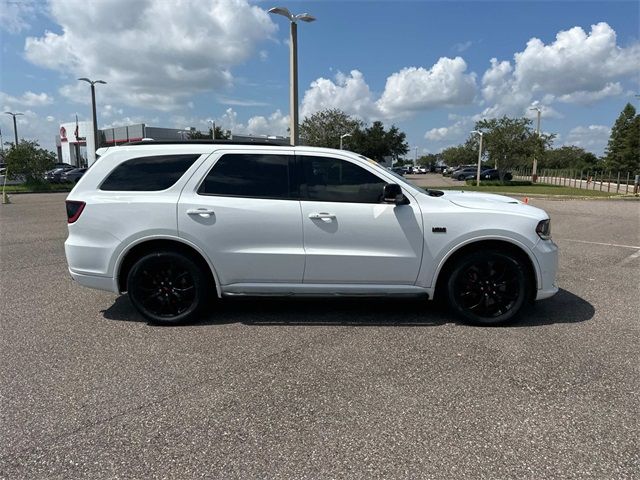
(148, 174)
(253, 175)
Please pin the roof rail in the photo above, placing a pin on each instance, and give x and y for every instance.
(257, 141)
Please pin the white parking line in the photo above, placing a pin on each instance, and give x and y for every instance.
(630, 258)
(598, 243)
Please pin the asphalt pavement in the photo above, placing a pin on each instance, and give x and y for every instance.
(321, 388)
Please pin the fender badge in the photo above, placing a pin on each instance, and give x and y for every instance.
(439, 229)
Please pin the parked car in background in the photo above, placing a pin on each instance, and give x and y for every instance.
(398, 170)
(493, 174)
(449, 170)
(72, 175)
(55, 175)
(463, 173)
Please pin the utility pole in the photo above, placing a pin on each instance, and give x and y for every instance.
(96, 141)
(15, 126)
(479, 156)
(293, 65)
(534, 170)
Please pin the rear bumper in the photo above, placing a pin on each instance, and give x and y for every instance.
(95, 281)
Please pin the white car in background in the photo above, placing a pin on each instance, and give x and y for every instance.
(174, 224)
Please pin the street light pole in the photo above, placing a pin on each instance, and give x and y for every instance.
(479, 156)
(293, 66)
(534, 170)
(96, 141)
(343, 136)
(15, 126)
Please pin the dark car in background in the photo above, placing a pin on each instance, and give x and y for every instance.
(463, 173)
(493, 174)
(55, 175)
(72, 175)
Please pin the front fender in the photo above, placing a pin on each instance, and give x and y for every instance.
(434, 261)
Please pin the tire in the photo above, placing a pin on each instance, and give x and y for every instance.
(488, 288)
(167, 288)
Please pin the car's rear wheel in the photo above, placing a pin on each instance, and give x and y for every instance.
(167, 287)
(488, 288)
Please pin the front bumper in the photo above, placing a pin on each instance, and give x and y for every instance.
(546, 252)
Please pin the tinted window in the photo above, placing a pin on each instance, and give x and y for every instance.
(250, 175)
(148, 173)
(333, 180)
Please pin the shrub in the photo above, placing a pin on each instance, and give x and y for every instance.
(29, 161)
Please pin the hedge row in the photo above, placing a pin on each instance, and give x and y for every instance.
(498, 183)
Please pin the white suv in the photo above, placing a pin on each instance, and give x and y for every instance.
(175, 224)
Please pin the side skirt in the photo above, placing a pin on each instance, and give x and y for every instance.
(322, 290)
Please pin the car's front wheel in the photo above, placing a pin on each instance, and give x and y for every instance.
(488, 288)
(167, 287)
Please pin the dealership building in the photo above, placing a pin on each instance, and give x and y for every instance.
(76, 146)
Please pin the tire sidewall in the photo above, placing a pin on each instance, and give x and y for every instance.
(185, 261)
(470, 317)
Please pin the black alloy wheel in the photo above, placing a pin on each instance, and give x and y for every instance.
(167, 287)
(488, 288)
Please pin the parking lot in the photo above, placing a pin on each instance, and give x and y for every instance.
(356, 388)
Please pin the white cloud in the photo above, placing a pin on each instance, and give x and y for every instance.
(578, 67)
(593, 137)
(27, 99)
(575, 61)
(274, 124)
(349, 93)
(462, 46)
(156, 55)
(16, 15)
(586, 97)
(108, 111)
(412, 89)
(31, 126)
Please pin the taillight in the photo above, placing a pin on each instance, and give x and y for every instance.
(74, 209)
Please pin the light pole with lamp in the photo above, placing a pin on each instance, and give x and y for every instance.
(345, 135)
(534, 170)
(15, 126)
(293, 65)
(96, 142)
(479, 156)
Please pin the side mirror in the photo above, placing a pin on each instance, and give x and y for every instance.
(392, 193)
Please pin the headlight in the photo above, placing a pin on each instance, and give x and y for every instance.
(544, 229)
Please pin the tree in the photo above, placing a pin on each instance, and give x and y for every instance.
(220, 135)
(623, 149)
(569, 156)
(429, 160)
(459, 155)
(30, 161)
(377, 143)
(324, 128)
(510, 142)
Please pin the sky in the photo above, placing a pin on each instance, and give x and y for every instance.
(431, 68)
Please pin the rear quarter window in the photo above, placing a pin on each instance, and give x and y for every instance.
(148, 174)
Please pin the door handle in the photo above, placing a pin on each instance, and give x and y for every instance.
(203, 212)
(321, 215)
